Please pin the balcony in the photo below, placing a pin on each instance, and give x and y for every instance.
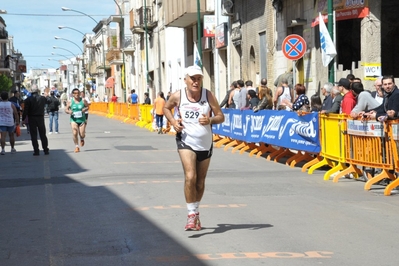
(129, 45)
(113, 55)
(183, 13)
(8, 67)
(138, 19)
(3, 35)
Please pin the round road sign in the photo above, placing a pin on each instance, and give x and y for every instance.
(294, 47)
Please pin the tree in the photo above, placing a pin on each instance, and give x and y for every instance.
(5, 83)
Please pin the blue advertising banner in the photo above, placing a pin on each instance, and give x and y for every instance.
(280, 128)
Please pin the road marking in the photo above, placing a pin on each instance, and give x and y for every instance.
(251, 255)
(168, 207)
(159, 162)
(139, 182)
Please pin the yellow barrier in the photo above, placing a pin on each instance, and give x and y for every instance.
(332, 127)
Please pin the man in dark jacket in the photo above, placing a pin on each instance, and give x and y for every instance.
(52, 109)
(390, 106)
(34, 109)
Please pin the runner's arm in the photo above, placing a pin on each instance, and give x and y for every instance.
(218, 116)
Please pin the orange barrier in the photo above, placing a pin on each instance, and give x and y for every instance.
(368, 149)
(393, 138)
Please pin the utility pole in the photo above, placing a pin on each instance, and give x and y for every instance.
(146, 45)
(199, 42)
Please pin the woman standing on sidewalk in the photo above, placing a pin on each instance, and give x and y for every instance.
(76, 108)
(159, 104)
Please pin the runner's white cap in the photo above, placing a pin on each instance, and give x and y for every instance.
(194, 70)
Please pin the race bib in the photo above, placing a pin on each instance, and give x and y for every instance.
(191, 116)
(77, 114)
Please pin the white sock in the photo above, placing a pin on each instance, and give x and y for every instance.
(191, 208)
(197, 206)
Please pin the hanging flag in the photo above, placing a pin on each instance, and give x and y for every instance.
(197, 57)
(328, 51)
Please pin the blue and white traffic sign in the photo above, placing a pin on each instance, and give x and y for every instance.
(294, 47)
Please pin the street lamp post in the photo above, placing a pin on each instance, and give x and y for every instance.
(83, 60)
(65, 27)
(146, 45)
(102, 34)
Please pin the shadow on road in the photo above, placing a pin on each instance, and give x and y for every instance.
(222, 228)
(50, 217)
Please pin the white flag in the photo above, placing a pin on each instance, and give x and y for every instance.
(328, 51)
(197, 57)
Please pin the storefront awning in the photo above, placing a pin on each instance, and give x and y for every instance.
(343, 10)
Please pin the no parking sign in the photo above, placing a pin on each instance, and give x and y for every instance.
(294, 47)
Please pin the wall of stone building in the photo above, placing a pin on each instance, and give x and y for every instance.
(315, 74)
(253, 22)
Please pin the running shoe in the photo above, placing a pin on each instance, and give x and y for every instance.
(3, 152)
(82, 142)
(193, 223)
(13, 150)
(198, 223)
(77, 149)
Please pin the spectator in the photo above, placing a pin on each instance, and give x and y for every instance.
(159, 104)
(52, 110)
(349, 100)
(253, 99)
(365, 101)
(234, 98)
(326, 91)
(315, 103)
(283, 93)
(15, 99)
(243, 102)
(8, 113)
(34, 109)
(378, 94)
(147, 99)
(266, 101)
(114, 98)
(301, 102)
(225, 101)
(248, 85)
(336, 102)
(134, 98)
(390, 106)
(263, 84)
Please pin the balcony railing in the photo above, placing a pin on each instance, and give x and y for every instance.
(3, 34)
(138, 19)
(128, 43)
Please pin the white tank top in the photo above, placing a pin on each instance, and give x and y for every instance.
(285, 95)
(237, 98)
(6, 114)
(195, 135)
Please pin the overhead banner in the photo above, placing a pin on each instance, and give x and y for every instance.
(344, 10)
(280, 128)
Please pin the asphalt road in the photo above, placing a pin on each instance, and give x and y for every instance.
(120, 202)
